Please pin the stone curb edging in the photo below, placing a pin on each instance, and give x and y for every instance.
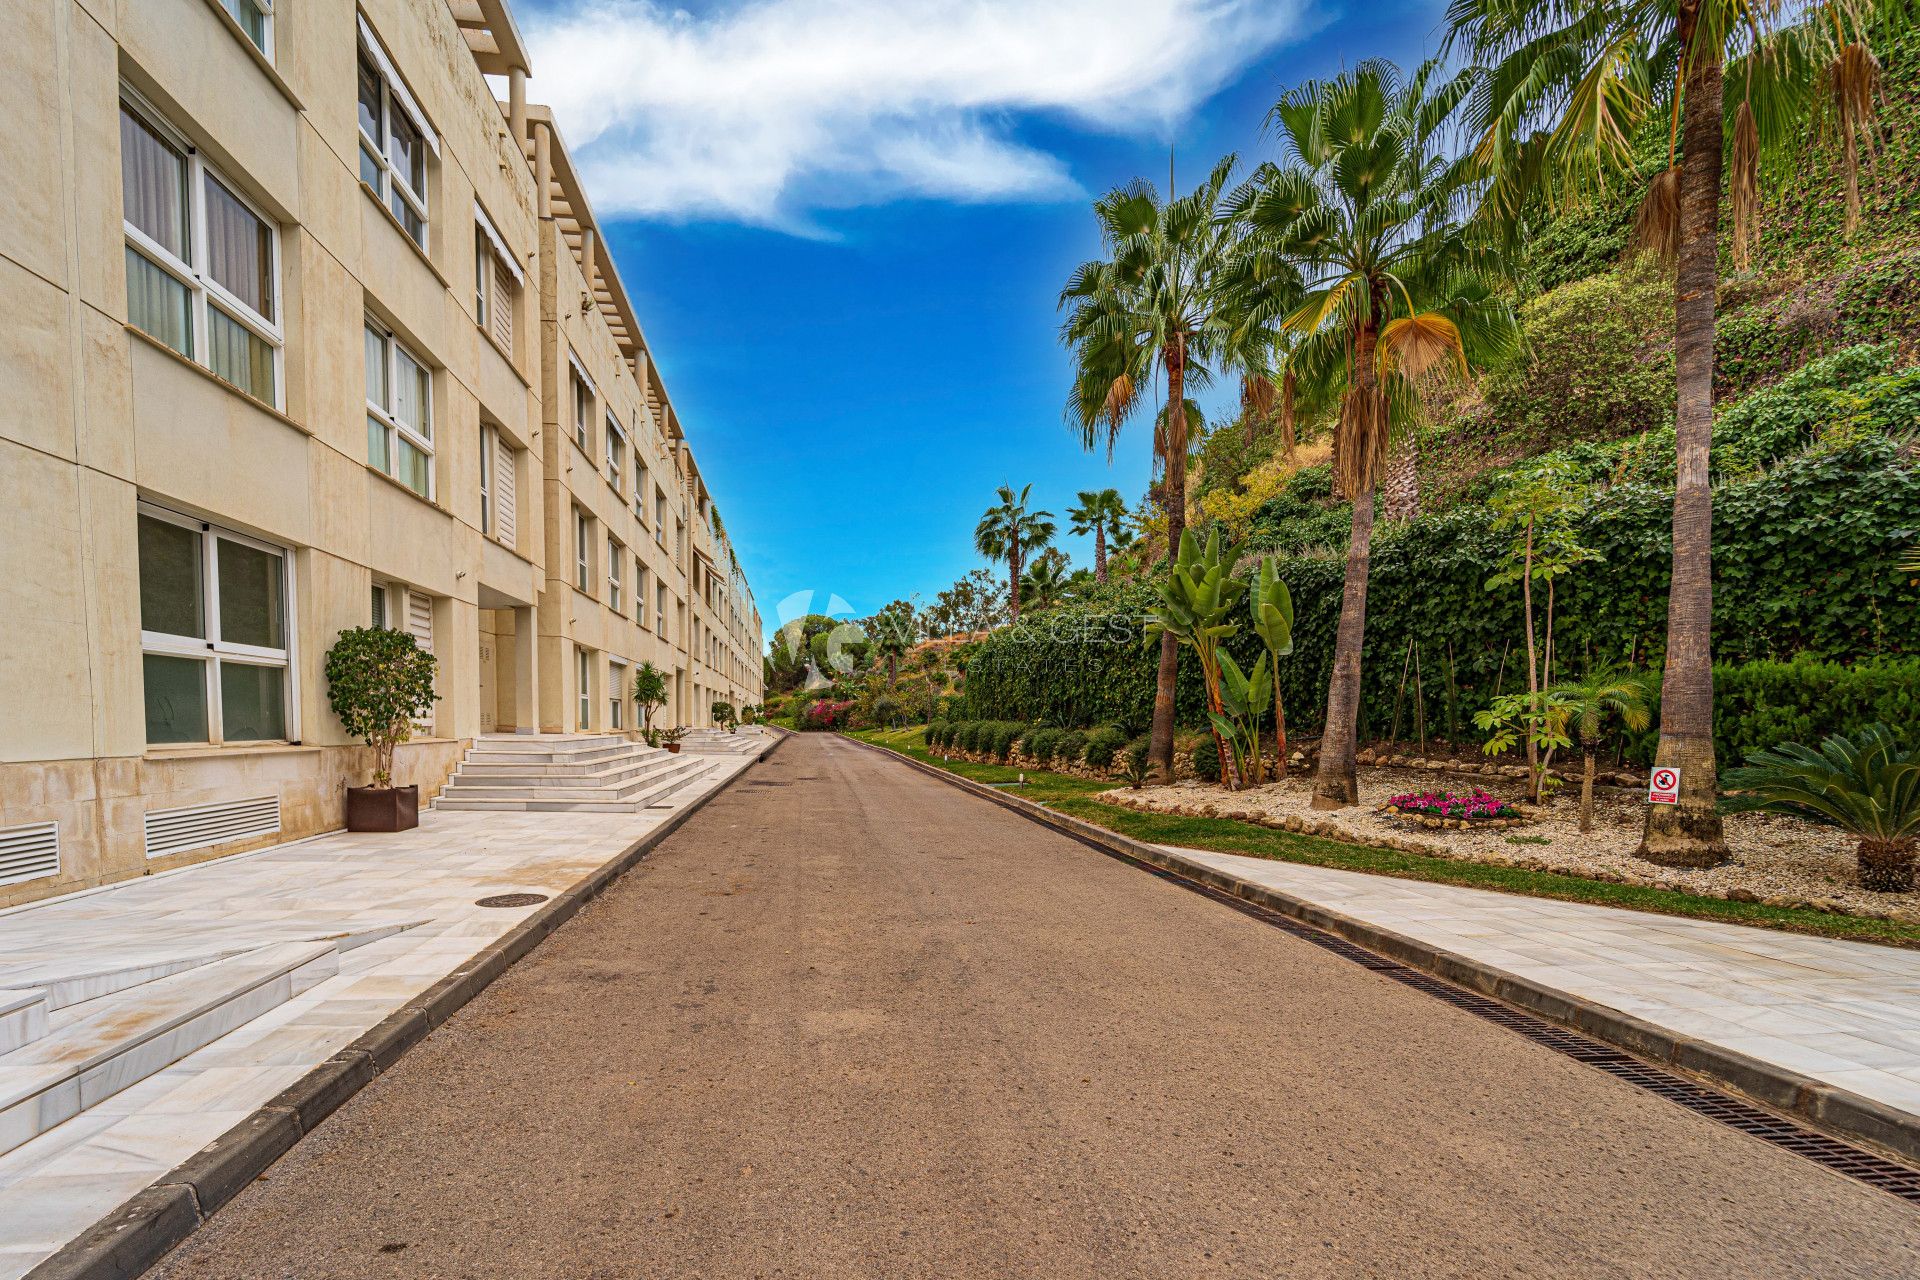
(1823, 1106)
(150, 1224)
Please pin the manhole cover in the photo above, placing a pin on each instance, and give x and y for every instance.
(512, 900)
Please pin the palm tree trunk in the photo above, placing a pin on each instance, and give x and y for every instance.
(1886, 866)
(1100, 552)
(1533, 665)
(1174, 496)
(1400, 490)
(1689, 833)
(1279, 725)
(1586, 793)
(1335, 784)
(1013, 579)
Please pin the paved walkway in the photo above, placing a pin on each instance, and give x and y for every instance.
(404, 907)
(852, 1022)
(1847, 1013)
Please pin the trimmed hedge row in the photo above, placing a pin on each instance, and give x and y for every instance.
(1096, 747)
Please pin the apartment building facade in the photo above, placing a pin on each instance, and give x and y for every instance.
(294, 307)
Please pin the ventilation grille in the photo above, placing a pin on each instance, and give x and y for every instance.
(196, 827)
(30, 852)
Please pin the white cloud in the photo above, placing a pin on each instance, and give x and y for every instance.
(765, 110)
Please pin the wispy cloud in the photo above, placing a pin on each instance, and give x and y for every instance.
(766, 111)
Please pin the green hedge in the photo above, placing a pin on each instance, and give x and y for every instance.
(1762, 704)
(1803, 565)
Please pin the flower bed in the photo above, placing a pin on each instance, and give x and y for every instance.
(1440, 809)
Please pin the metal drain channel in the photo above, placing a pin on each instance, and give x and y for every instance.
(1844, 1158)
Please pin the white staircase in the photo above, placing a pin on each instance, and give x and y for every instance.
(582, 773)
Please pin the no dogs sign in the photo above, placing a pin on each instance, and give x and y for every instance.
(1663, 787)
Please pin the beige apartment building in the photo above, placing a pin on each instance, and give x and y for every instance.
(306, 330)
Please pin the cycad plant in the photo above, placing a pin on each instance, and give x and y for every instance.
(1565, 92)
(1197, 599)
(1867, 785)
(1272, 607)
(1165, 303)
(1363, 210)
(1011, 532)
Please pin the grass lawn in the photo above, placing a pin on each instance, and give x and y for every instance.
(1075, 797)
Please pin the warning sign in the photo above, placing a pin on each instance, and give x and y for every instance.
(1664, 787)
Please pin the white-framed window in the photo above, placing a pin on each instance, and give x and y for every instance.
(394, 140)
(583, 674)
(582, 406)
(616, 452)
(487, 463)
(660, 609)
(203, 263)
(384, 613)
(216, 633)
(582, 566)
(659, 516)
(499, 481)
(640, 486)
(256, 19)
(616, 556)
(496, 282)
(639, 591)
(616, 694)
(399, 410)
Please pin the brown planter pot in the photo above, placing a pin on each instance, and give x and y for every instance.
(383, 808)
(674, 747)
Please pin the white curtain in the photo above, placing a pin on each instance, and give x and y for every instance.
(239, 249)
(153, 182)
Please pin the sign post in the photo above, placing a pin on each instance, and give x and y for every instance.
(1663, 786)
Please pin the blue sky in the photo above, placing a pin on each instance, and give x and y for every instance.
(845, 224)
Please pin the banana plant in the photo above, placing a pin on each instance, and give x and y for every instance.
(1197, 597)
(1243, 702)
(1272, 606)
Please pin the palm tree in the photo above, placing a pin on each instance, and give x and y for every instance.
(1606, 694)
(1045, 583)
(1364, 210)
(1566, 91)
(1010, 532)
(1100, 513)
(1165, 302)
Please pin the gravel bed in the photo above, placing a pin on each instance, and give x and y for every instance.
(1780, 861)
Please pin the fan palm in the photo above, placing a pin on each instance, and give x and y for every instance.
(1165, 302)
(1100, 513)
(1010, 532)
(1868, 786)
(1364, 210)
(1045, 583)
(1567, 90)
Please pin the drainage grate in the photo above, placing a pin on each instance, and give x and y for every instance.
(512, 900)
(1855, 1162)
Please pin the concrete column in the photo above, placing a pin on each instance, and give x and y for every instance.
(526, 670)
(543, 168)
(517, 105)
(587, 257)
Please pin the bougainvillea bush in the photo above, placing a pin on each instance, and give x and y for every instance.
(825, 715)
(1478, 807)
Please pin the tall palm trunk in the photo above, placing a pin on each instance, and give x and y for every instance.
(1100, 552)
(1174, 496)
(1688, 833)
(1013, 578)
(1400, 489)
(1335, 782)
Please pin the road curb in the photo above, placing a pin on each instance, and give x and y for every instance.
(1823, 1106)
(154, 1221)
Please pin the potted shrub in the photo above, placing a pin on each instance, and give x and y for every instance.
(670, 738)
(379, 681)
(650, 691)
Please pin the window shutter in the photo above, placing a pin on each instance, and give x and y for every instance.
(502, 317)
(420, 619)
(504, 508)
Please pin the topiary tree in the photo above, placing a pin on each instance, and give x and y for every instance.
(724, 715)
(378, 682)
(650, 691)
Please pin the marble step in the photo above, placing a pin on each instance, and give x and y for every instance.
(122, 1040)
(624, 772)
(556, 800)
(23, 1018)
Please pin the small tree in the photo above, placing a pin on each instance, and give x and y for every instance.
(1591, 703)
(724, 715)
(1272, 606)
(1197, 596)
(378, 682)
(1536, 717)
(650, 691)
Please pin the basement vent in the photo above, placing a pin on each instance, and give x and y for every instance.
(196, 827)
(29, 853)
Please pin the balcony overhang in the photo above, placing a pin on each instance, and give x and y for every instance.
(490, 33)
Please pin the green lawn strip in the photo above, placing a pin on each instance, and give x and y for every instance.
(1074, 796)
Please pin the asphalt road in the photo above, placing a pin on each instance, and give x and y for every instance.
(849, 1021)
